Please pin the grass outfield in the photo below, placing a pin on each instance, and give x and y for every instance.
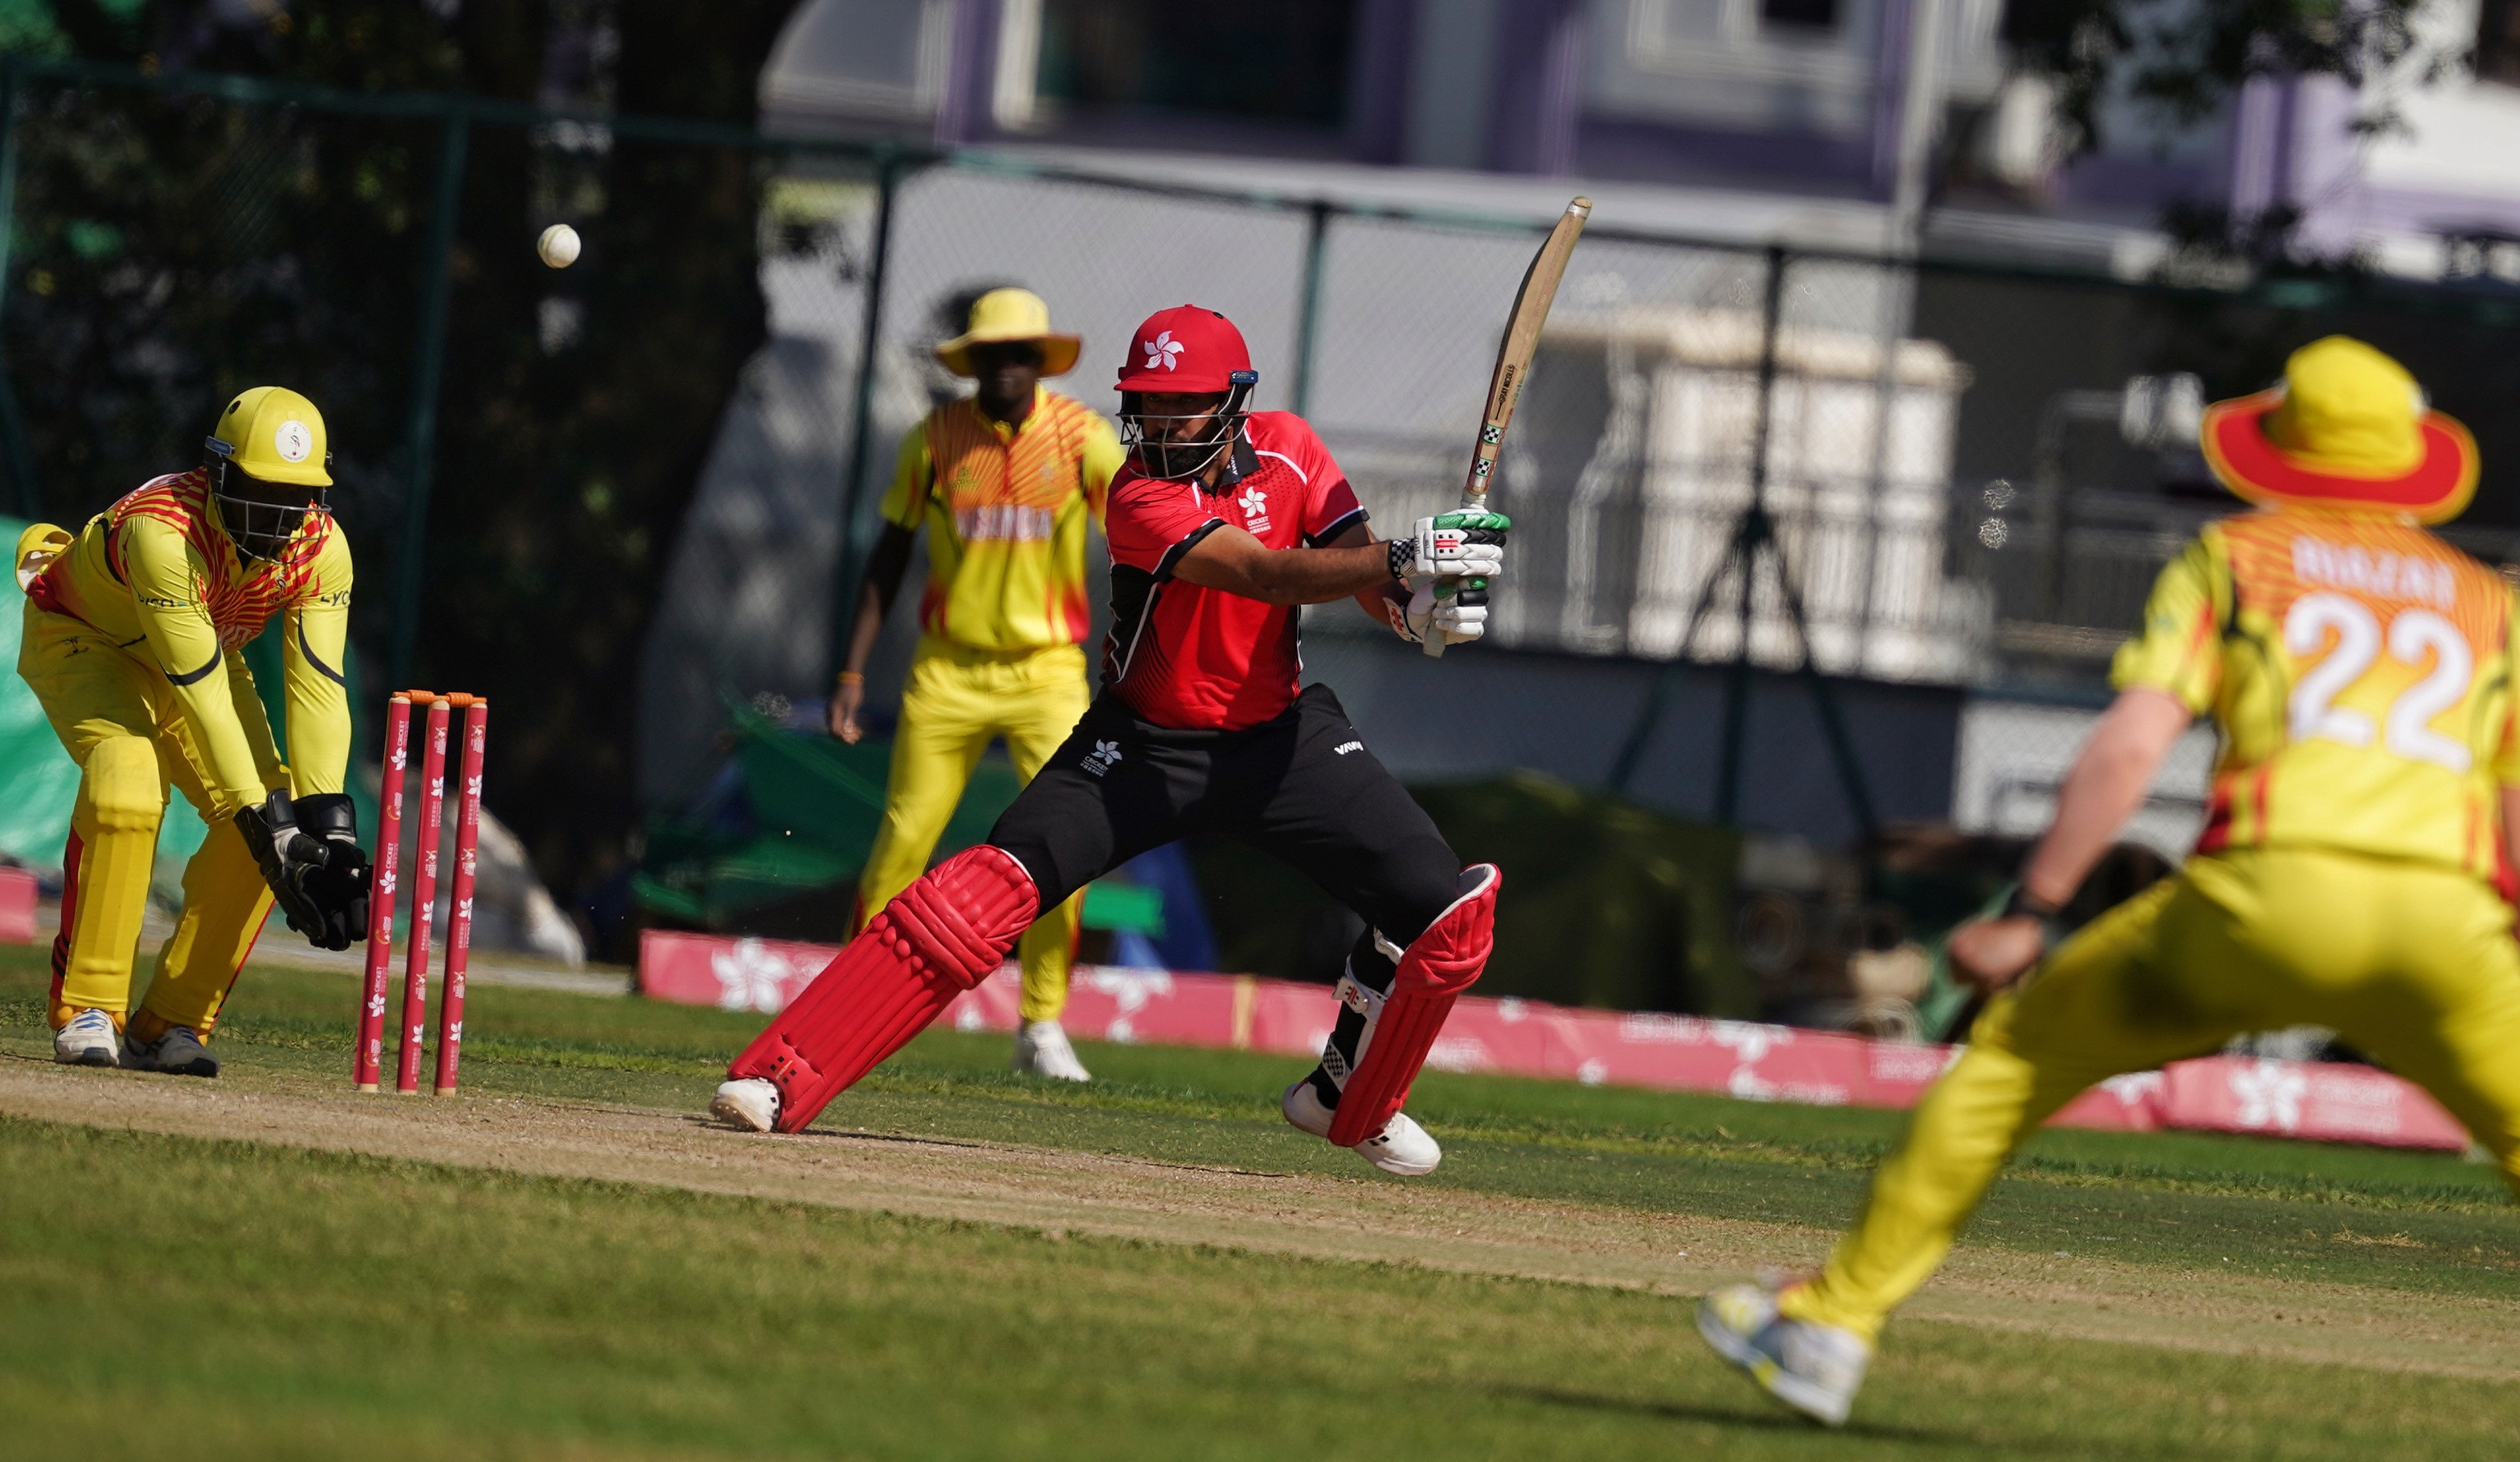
(248, 1299)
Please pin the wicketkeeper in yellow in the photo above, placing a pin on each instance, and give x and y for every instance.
(2354, 869)
(1004, 481)
(134, 632)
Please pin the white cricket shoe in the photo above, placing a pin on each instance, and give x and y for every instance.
(89, 1040)
(1402, 1149)
(749, 1102)
(1041, 1050)
(1812, 1367)
(178, 1052)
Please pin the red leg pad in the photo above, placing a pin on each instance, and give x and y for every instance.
(946, 933)
(1434, 970)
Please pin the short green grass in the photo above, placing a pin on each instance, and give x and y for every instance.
(240, 1300)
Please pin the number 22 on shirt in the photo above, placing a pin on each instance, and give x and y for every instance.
(2411, 638)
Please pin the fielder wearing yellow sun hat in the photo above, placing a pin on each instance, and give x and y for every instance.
(2349, 431)
(1003, 316)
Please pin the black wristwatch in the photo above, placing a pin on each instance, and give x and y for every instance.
(2021, 904)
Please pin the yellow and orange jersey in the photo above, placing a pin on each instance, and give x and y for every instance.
(2360, 669)
(158, 576)
(1006, 511)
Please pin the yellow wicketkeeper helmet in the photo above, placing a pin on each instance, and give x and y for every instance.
(274, 435)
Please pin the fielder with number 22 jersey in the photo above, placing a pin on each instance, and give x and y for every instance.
(2360, 670)
(2354, 873)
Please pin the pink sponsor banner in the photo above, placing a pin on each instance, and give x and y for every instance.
(2319, 1101)
(16, 907)
(1531, 1038)
(731, 974)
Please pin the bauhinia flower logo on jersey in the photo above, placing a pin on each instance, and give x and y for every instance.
(1255, 510)
(1100, 759)
(1163, 350)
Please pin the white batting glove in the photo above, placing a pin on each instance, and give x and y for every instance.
(1468, 544)
(1458, 617)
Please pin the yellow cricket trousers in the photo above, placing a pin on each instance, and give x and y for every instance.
(119, 720)
(2414, 963)
(956, 700)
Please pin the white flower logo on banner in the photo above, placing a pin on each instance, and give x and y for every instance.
(2270, 1094)
(750, 977)
(1166, 351)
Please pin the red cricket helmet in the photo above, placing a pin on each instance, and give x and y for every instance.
(1187, 348)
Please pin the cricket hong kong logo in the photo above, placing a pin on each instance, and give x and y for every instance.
(2268, 1093)
(750, 977)
(1131, 990)
(1255, 510)
(1163, 350)
(1102, 757)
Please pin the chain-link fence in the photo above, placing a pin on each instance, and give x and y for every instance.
(1952, 480)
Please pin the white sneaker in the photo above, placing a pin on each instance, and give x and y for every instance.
(751, 1103)
(1041, 1050)
(1402, 1149)
(89, 1040)
(1814, 1368)
(178, 1052)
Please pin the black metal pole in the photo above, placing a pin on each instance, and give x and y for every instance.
(1756, 531)
(1308, 316)
(427, 367)
(852, 559)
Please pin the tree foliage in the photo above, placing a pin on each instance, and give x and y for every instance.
(169, 250)
(2184, 58)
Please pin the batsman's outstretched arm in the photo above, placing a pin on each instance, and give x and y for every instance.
(2108, 783)
(1236, 562)
(1355, 564)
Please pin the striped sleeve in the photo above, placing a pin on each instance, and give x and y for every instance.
(2180, 648)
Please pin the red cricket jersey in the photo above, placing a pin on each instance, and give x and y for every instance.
(1196, 658)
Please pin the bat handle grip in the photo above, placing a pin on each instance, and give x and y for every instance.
(1473, 497)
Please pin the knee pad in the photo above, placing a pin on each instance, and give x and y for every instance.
(1401, 1026)
(124, 793)
(946, 933)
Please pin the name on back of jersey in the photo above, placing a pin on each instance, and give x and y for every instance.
(1004, 522)
(2375, 573)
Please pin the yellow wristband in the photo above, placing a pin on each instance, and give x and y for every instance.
(851, 678)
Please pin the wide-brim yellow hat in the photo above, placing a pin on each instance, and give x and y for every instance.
(2349, 431)
(1002, 316)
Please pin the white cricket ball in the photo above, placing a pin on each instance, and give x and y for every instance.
(557, 246)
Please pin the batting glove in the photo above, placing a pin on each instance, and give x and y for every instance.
(1458, 617)
(1466, 544)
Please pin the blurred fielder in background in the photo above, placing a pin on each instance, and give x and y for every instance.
(1004, 481)
(2353, 873)
(134, 637)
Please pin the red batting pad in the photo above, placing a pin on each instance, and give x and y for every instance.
(1437, 968)
(946, 933)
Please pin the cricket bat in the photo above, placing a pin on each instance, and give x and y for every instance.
(1513, 363)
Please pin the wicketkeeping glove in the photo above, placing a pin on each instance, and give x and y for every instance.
(316, 869)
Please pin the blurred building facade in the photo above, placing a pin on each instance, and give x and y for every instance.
(1975, 475)
(1800, 99)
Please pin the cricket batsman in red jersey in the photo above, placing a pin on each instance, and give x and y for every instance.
(1221, 523)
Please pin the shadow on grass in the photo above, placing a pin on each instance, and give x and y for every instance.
(1857, 1433)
